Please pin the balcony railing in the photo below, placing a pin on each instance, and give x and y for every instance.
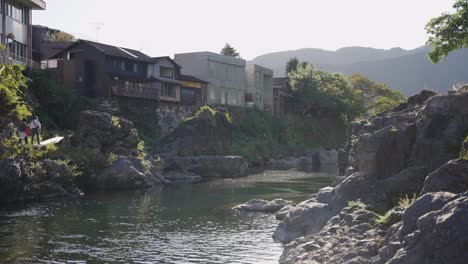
(7, 57)
(144, 92)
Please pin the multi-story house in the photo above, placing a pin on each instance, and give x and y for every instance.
(225, 76)
(101, 70)
(259, 87)
(16, 30)
(166, 73)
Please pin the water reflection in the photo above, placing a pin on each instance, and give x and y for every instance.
(176, 224)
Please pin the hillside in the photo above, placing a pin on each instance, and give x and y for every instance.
(408, 71)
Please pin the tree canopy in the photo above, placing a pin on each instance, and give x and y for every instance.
(376, 97)
(319, 93)
(448, 32)
(228, 50)
(292, 65)
(62, 37)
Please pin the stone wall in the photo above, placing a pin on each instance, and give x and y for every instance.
(149, 116)
(170, 115)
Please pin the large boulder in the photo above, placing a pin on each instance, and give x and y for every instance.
(122, 174)
(306, 218)
(106, 133)
(208, 132)
(13, 177)
(451, 177)
(213, 166)
(433, 231)
(346, 238)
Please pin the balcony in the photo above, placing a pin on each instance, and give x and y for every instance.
(34, 4)
(126, 89)
(9, 58)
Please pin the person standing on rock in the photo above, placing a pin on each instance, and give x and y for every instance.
(22, 133)
(36, 130)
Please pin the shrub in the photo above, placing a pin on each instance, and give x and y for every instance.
(406, 201)
(356, 204)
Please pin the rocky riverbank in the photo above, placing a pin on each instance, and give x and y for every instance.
(369, 215)
(106, 153)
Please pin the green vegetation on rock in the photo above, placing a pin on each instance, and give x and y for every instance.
(258, 135)
(356, 204)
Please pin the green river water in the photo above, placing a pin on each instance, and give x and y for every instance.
(174, 224)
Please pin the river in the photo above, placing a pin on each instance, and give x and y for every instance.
(174, 224)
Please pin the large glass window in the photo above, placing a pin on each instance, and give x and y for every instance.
(16, 11)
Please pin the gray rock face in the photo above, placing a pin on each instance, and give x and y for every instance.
(281, 214)
(102, 131)
(122, 174)
(213, 166)
(432, 231)
(209, 132)
(257, 205)
(452, 177)
(346, 238)
(306, 218)
(387, 157)
(13, 177)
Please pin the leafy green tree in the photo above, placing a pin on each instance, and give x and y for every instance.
(448, 32)
(323, 94)
(292, 65)
(228, 50)
(12, 92)
(376, 97)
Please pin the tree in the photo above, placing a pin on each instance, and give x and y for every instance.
(62, 37)
(228, 50)
(448, 32)
(323, 94)
(376, 97)
(291, 65)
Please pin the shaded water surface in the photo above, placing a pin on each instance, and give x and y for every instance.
(176, 224)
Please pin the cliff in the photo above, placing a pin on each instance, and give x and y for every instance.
(401, 196)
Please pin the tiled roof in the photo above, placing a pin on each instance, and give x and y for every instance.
(156, 59)
(111, 51)
(117, 51)
(189, 78)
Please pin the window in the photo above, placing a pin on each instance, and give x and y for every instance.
(188, 92)
(17, 11)
(17, 50)
(166, 72)
(212, 70)
(135, 67)
(212, 94)
(168, 90)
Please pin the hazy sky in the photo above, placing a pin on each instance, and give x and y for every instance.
(254, 27)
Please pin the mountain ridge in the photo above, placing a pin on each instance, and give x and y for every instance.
(408, 71)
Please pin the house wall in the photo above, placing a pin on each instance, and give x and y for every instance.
(79, 56)
(259, 86)
(225, 75)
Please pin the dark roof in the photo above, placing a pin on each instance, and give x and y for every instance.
(155, 59)
(190, 78)
(111, 51)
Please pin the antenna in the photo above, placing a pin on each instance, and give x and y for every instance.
(99, 26)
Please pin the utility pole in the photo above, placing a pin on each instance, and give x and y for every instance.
(99, 26)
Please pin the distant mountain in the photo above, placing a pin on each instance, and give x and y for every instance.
(409, 71)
